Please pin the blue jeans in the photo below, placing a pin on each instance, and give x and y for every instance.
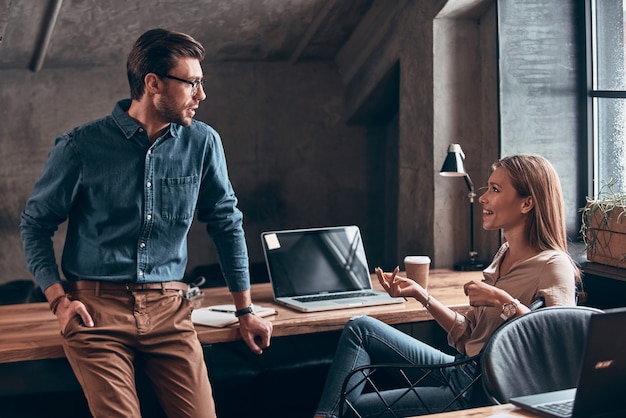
(366, 340)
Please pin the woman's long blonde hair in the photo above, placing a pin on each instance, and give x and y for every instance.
(534, 175)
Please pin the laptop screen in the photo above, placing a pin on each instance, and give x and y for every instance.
(316, 261)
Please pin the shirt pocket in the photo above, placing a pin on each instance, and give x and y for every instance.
(178, 197)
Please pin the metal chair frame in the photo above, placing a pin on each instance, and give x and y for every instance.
(369, 376)
(436, 371)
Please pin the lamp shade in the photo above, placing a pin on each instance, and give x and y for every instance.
(453, 165)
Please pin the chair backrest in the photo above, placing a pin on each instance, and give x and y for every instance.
(537, 352)
(20, 291)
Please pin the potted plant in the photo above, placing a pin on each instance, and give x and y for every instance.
(603, 227)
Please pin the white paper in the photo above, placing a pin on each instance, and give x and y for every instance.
(212, 317)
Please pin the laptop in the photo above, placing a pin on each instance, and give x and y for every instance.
(320, 269)
(601, 387)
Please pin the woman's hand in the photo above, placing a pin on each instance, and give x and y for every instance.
(483, 294)
(398, 286)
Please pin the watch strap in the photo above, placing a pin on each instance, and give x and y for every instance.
(244, 311)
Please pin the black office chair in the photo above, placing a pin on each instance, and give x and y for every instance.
(20, 291)
(394, 384)
(534, 353)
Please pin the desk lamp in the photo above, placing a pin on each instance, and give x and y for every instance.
(453, 167)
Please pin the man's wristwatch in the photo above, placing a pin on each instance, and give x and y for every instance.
(509, 309)
(245, 311)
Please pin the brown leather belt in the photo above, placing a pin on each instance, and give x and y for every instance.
(102, 286)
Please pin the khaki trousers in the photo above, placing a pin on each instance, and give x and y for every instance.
(151, 329)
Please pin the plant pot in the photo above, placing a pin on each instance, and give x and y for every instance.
(606, 236)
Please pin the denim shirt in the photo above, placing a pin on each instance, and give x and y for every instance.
(130, 204)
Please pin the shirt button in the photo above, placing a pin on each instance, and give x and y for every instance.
(149, 217)
(140, 273)
(148, 184)
(140, 130)
(142, 245)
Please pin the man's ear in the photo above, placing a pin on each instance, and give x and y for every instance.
(527, 204)
(152, 83)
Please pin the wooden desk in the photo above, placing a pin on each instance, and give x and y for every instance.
(31, 332)
(501, 411)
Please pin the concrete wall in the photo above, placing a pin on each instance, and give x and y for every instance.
(466, 112)
(446, 55)
(299, 155)
(541, 72)
(292, 159)
(35, 108)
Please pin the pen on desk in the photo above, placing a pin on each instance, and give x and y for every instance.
(221, 310)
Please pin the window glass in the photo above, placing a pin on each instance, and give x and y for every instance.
(611, 160)
(609, 95)
(609, 45)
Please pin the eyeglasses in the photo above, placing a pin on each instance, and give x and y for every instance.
(194, 84)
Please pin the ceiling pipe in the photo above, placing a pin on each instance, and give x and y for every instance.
(42, 49)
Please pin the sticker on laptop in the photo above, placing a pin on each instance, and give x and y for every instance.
(272, 242)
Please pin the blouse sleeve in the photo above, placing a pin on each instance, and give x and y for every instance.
(557, 281)
(461, 331)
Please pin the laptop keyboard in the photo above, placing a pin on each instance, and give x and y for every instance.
(316, 298)
(561, 408)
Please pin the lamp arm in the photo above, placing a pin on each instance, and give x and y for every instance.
(470, 186)
(472, 253)
(472, 194)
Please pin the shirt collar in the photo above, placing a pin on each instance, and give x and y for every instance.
(128, 124)
(125, 122)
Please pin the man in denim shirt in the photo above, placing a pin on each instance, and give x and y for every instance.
(129, 185)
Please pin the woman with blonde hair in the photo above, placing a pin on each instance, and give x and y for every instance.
(524, 200)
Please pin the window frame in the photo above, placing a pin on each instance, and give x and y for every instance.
(594, 95)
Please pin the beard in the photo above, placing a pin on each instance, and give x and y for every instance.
(170, 112)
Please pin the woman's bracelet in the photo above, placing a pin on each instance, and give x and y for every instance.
(427, 304)
(54, 305)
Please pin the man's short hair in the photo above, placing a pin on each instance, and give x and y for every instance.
(157, 51)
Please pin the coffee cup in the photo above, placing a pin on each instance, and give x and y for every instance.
(416, 268)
